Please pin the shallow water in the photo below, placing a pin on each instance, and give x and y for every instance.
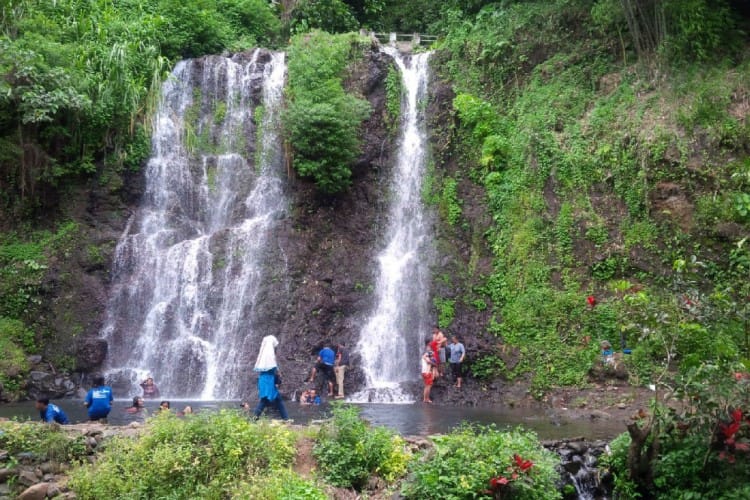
(410, 419)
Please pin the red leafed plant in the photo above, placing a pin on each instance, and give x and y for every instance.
(728, 431)
(500, 485)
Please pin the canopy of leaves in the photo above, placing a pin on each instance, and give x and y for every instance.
(322, 119)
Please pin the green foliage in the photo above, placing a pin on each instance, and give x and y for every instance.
(281, 485)
(201, 456)
(394, 89)
(46, 441)
(16, 341)
(617, 463)
(322, 120)
(446, 310)
(79, 77)
(349, 452)
(333, 16)
(450, 204)
(464, 461)
(487, 367)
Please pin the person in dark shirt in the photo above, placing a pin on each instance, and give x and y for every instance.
(51, 413)
(99, 399)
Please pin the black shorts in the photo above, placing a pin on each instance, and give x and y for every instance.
(327, 371)
(456, 369)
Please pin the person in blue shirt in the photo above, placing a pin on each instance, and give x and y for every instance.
(325, 362)
(268, 378)
(50, 413)
(99, 399)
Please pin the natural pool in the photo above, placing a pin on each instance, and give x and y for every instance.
(406, 419)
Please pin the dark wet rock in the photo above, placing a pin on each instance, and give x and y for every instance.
(91, 353)
(47, 383)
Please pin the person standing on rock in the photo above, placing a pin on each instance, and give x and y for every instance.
(99, 399)
(268, 378)
(342, 361)
(438, 350)
(326, 360)
(51, 413)
(458, 353)
(428, 364)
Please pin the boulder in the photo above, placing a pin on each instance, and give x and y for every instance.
(35, 492)
(47, 383)
(90, 353)
(27, 478)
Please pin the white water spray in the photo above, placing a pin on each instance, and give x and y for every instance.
(390, 340)
(188, 267)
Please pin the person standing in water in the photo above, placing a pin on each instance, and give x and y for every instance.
(428, 376)
(268, 378)
(150, 391)
(99, 399)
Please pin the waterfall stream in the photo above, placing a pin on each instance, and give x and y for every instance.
(189, 265)
(390, 340)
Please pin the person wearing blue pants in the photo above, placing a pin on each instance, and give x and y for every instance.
(268, 378)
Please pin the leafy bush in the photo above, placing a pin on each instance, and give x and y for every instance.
(332, 16)
(79, 76)
(47, 442)
(322, 120)
(202, 456)
(349, 452)
(465, 462)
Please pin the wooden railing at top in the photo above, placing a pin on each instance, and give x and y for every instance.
(413, 38)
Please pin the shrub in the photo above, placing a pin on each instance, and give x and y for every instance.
(322, 120)
(198, 457)
(465, 462)
(349, 452)
(333, 16)
(47, 442)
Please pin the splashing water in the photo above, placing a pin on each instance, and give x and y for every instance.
(390, 340)
(189, 265)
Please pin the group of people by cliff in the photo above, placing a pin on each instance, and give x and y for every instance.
(437, 353)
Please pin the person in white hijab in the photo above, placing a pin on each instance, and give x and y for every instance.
(268, 378)
(267, 355)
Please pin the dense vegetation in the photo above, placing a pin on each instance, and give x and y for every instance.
(322, 120)
(610, 173)
(206, 456)
(608, 140)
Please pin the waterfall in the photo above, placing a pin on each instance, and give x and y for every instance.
(390, 342)
(189, 265)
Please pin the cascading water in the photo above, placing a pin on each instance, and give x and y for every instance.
(390, 340)
(188, 267)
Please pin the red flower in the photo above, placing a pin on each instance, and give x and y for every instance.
(742, 446)
(591, 300)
